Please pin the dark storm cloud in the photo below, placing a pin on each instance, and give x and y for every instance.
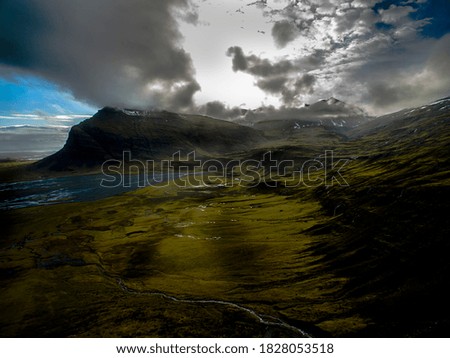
(219, 110)
(295, 88)
(314, 60)
(288, 89)
(429, 81)
(257, 66)
(120, 53)
(265, 68)
(239, 60)
(305, 83)
(272, 84)
(283, 78)
(182, 97)
(284, 32)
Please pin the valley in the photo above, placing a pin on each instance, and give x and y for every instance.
(259, 259)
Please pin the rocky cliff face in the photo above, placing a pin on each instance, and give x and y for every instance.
(148, 135)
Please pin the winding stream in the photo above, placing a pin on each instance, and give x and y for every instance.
(263, 319)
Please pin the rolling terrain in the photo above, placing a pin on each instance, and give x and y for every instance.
(260, 259)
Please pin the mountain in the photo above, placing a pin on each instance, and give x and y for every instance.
(329, 112)
(389, 234)
(148, 135)
(405, 119)
(154, 135)
(333, 107)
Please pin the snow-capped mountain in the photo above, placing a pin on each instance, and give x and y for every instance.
(408, 118)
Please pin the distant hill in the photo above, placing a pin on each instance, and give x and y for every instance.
(26, 142)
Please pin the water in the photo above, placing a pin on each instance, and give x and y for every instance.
(70, 189)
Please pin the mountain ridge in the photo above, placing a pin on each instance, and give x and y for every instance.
(154, 134)
(147, 135)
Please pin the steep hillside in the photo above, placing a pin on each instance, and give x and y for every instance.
(389, 233)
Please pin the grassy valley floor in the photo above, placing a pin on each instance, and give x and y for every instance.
(87, 269)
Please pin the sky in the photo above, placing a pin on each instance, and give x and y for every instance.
(61, 61)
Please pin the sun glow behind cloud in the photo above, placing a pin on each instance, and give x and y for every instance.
(173, 54)
(222, 25)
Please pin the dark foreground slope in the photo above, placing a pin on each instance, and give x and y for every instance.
(367, 259)
(390, 232)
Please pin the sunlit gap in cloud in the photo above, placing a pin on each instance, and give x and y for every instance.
(222, 25)
(370, 53)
